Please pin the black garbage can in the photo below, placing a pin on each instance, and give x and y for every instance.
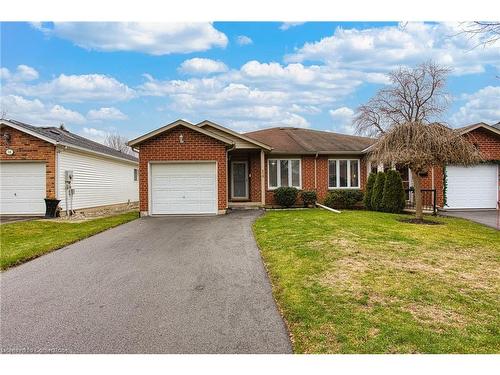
(51, 207)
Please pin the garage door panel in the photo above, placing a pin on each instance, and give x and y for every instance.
(183, 188)
(472, 187)
(22, 188)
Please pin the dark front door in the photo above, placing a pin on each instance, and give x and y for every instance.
(239, 173)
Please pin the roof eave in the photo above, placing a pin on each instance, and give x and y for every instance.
(28, 131)
(479, 125)
(83, 149)
(154, 133)
(236, 134)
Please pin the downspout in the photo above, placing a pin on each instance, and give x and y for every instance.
(227, 174)
(315, 172)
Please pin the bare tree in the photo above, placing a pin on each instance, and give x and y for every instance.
(118, 142)
(414, 95)
(404, 115)
(486, 32)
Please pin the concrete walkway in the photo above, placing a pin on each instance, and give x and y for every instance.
(154, 285)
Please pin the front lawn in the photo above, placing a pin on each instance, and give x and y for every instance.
(25, 240)
(363, 282)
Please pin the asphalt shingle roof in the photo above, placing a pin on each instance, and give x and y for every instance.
(308, 141)
(64, 136)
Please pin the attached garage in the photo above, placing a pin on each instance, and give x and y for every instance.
(22, 188)
(472, 187)
(183, 188)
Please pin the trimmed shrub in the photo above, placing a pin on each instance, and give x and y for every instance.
(367, 201)
(309, 197)
(343, 198)
(393, 199)
(378, 192)
(286, 196)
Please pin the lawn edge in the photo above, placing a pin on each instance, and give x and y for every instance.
(25, 260)
(273, 287)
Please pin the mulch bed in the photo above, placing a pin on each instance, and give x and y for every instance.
(418, 221)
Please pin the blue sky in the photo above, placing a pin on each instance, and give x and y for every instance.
(131, 77)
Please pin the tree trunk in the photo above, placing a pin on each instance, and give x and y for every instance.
(417, 185)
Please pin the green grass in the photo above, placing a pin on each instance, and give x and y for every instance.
(26, 240)
(363, 282)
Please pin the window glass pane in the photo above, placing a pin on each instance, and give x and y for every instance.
(332, 173)
(354, 173)
(284, 172)
(273, 173)
(343, 173)
(296, 173)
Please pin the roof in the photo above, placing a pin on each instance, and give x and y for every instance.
(154, 133)
(492, 128)
(56, 135)
(234, 134)
(285, 140)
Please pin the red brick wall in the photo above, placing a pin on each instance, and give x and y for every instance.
(196, 146)
(487, 142)
(27, 147)
(308, 175)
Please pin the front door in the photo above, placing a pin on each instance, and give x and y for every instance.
(239, 180)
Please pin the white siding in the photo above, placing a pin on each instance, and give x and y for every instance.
(97, 181)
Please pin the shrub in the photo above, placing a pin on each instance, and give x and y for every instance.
(343, 198)
(378, 192)
(286, 196)
(369, 190)
(309, 197)
(393, 199)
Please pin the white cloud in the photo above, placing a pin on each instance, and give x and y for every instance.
(38, 113)
(243, 40)
(150, 38)
(342, 120)
(22, 73)
(106, 113)
(287, 25)
(481, 106)
(75, 88)
(199, 65)
(94, 134)
(381, 49)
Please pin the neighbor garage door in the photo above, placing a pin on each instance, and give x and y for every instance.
(22, 188)
(183, 188)
(472, 187)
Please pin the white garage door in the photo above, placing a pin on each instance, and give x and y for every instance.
(472, 187)
(183, 188)
(22, 188)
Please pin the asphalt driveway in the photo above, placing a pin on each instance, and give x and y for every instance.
(154, 285)
(486, 217)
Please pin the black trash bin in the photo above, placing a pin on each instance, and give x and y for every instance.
(51, 207)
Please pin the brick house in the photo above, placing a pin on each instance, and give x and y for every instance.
(33, 162)
(206, 168)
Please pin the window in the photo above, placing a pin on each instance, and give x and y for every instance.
(343, 173)
(135, 174)
(284, 172)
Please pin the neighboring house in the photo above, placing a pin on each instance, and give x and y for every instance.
(206, 168)
(34, 160)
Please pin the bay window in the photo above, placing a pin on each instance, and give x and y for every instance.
(343, 173)
(283, 172)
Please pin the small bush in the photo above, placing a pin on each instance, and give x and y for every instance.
(286, 196)
(367, 201)
(343, 198)
(378, 192)
(393, 199)
(309, 197)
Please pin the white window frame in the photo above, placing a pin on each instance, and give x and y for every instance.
(337, 169)
(278, 173)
